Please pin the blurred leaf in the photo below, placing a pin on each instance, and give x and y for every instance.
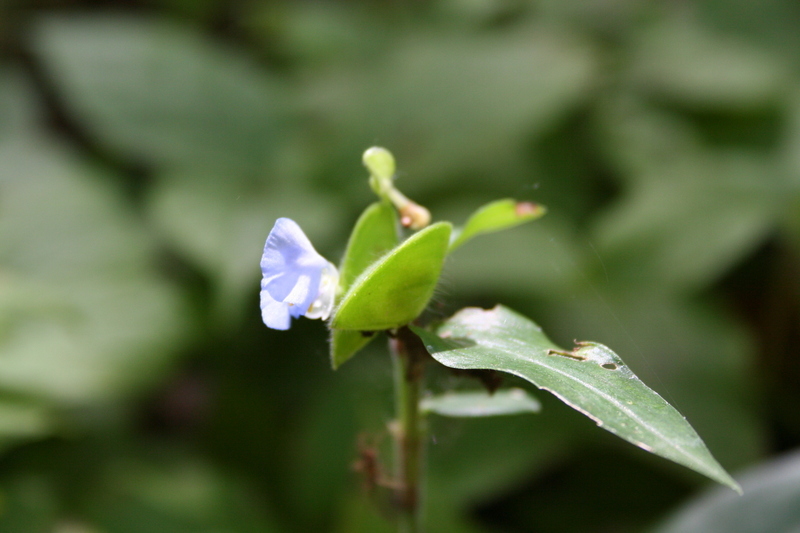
(30, 504)
(160, 92)
(768, 23)
(639, 138)
(481, 403)
(361, 515)
(600, 386)
(597, 16)
(315, 33)
(512, 451)
(84, 316)
(18, 109)
(21, 420)
(477, 12)
(682, 61)
(395, 290)
(374, 234)
(532, 260)
(456, 105)
(770, 504)
(687, 223)
(182, 495)
(496, 216)
(790, 147)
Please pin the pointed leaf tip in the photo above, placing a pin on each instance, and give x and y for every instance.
(496, 216)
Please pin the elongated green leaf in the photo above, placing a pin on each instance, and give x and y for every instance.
(374, 234)
(591, 379)
(496, 216)
(480, 403)
(394, 290)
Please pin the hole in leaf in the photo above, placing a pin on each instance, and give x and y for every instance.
(609, 366)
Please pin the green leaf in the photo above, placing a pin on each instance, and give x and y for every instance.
(173, 493)
(109, 325)
(395, 289)
(374, 234)
(345, 344)
(496, 216)
(32, 503)
(161, 92)
(682, 61)
(481, 403)
(591, 379)
(686, 223)
(431, 81)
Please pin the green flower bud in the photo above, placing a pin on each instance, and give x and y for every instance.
(380, 163)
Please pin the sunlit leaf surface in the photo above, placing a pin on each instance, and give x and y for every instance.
(396, 289)
(374, 234)
(497, 216)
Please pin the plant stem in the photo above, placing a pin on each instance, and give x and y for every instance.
(408, 355)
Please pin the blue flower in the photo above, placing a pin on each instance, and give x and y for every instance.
(297, 280)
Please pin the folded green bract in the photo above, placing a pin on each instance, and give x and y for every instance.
(394, 290)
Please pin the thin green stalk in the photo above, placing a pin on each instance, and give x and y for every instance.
(408, 372)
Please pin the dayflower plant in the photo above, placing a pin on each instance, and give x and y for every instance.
(297, 281)
(387, 280)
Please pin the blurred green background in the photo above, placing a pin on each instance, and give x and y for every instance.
(147, 146)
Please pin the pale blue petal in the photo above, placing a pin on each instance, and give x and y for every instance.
(288, 256)
(326, 296)
(301, 290)
(274, 314)
(294, 275)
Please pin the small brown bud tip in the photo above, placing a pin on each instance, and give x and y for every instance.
(414, 216)
(526, 208)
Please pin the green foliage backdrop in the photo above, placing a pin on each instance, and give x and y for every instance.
(147, 146)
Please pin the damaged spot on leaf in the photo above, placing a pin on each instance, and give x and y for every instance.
(564, 353)
(526, 208)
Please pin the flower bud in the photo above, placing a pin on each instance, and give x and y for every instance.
(380, 163)
(414, 216)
